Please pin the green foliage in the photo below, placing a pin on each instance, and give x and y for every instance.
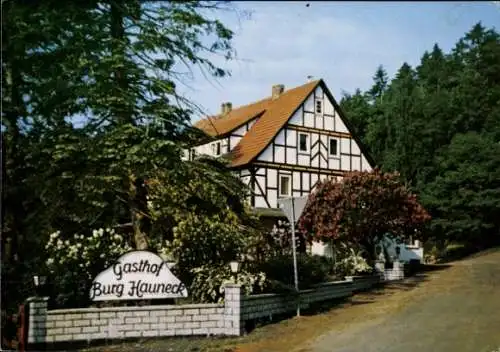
(91, 111)
(359, 110)
(200, 240)
(205, 187)
(198, 209)
(467, 190)
(437, 124)
(279, 271)
(455, 251)
(199, 215)
(265, 243)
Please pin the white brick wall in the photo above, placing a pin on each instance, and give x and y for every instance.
(232, 310)
(37, 319)
(396, 273)
(145, 322)
(267, 305)
(119, 322)
(86, 324)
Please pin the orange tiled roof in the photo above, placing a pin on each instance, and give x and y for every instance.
(273, 116)
(270, 123)
(219, 125)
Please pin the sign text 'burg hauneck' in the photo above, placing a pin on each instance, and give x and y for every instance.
(137, 275)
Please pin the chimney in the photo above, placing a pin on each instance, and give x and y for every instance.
(226, 108)
(278, 89)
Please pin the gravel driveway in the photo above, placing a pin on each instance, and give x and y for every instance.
(456, 310)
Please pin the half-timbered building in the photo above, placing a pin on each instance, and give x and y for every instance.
(282, 145)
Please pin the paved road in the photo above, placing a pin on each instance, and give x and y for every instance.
(456, 310)
(452, 310)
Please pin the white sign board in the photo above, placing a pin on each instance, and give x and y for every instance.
(299, 203)
(137, 275)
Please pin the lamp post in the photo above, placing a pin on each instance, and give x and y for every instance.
(168, 260)
(235, 265)
(38, 281)
(171, 263)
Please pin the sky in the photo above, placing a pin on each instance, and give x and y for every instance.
(340, 42)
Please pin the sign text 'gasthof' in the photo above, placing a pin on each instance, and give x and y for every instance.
(137, 275)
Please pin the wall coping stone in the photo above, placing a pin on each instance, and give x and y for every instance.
(125, 309)
(360, 277)
(37, 299)
(263, 295)
(342, 283)
(333, 283)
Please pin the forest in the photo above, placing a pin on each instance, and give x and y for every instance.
(438, 125)
(93, 129)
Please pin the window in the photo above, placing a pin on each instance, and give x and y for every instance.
(333, 147)
(318, 106)
(285, 188)
(303, 142)
(216, 148)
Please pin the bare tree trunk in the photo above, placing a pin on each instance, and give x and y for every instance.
(136, 191)
(137, 214)
(11, 158)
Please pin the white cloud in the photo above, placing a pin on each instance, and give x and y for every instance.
(284, 42)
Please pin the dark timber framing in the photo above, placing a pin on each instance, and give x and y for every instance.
(309, 167)
(320, 163)
(298, 168)
(337, 111)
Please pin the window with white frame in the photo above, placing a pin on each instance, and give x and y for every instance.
(319, 106)
(333, 147)
(303, 142)
(285, 185)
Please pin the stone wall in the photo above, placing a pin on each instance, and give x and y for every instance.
(88, 324)
(121, 322)
(363, 283)
(396, 273)
(267, 305)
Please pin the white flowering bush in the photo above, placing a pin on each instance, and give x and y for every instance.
(351, 262)
(208, 283)
(74, 261)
